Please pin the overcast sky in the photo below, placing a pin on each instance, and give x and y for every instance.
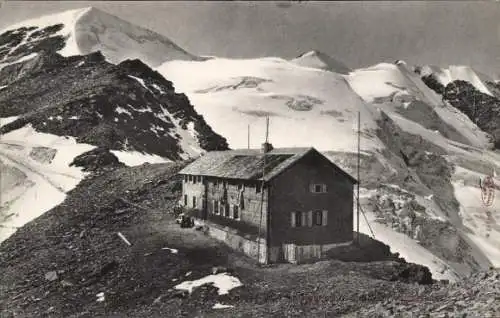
(357, 33)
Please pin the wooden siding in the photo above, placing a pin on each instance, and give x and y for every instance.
(244, 195)
(291, 192)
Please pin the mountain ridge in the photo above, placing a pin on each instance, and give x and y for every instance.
(89, 29)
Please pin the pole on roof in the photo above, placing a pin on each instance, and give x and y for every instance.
(248, 136)
(358, 166)
(262, 193)
(267, 129)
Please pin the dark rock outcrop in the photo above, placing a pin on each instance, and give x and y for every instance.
(96, 159)
(123, 107)
(481, 108)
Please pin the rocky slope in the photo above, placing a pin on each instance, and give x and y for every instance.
(124, 107)
(483, 109)
(55, 108)
(112, 248)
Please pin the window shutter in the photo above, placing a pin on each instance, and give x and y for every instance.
(311, 187)
(325, 218)
(292, 214)
(304, 219)
(324, 188)
(309, 218)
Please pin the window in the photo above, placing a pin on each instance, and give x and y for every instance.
(190, 178)
(309, 218)
(297, 219)
(258, 188)
(320, 217)
(194, 202)
(226, 210)
(185, 178)
(318, 188)
(185, 200)
(235, 212)
(216, 207)
(221, 209)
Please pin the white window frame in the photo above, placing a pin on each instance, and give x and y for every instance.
(313, 186)
(324, 217)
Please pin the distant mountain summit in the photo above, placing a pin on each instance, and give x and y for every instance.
(82, 31)
(457, 73)
(320, 60)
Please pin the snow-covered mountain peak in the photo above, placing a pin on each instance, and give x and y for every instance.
(320, 60)
(458, 72)
(86, 30)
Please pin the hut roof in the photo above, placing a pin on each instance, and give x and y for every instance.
(248, 164)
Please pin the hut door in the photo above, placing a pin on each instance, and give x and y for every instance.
(290, 251)
(204, 208)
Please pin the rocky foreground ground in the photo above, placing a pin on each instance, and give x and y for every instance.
(57, 265)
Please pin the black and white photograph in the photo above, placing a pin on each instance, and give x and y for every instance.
(250, 159)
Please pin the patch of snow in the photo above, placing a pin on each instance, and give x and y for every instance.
(158, 88)
(172, 250)
(222, 281)
(157, 129)
(135, 158)
(121, 110)
(3, 86)
(46, 184)
(7, 120)
(141, 110)
(190, 128)
(188, 140)
(74, 117)
(395, 186)
(221, 306)
(100, 297)
(141, 81)
(26, 58)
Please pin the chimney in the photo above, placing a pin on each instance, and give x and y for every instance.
(266, 147)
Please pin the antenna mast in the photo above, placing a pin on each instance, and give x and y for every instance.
(359, 161)
(248, 136)
(262, 191)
